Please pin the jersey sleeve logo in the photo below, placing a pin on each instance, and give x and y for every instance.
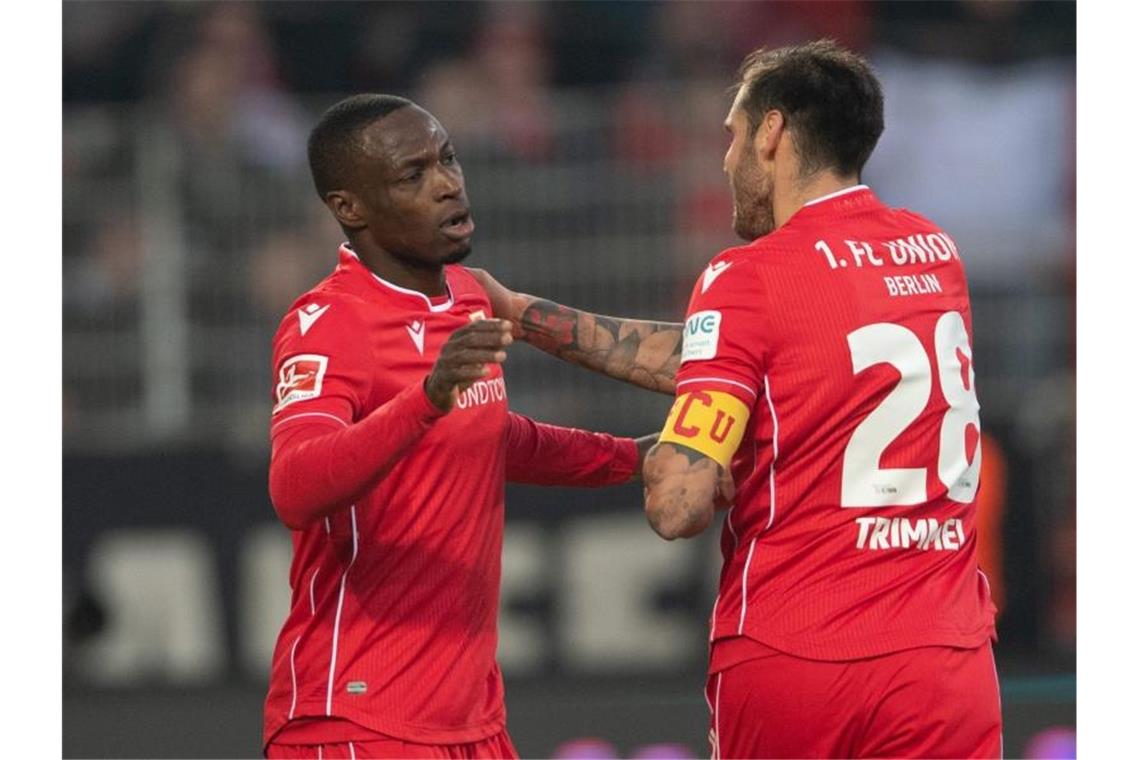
(300, 378)
(309, 315)
(702, 334)
(711, 273)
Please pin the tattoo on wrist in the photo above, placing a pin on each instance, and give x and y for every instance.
(640, 352)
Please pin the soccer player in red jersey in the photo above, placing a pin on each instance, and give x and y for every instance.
(827, 367)
(391, 445)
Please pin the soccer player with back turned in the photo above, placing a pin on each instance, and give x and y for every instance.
(827, 365)
(392, 443)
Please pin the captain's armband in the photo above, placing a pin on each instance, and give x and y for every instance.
(711, 422)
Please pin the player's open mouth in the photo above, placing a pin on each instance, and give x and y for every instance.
(459, 226)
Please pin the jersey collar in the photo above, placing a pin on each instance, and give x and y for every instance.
(845, 201)
(349, 259)
(837, 194)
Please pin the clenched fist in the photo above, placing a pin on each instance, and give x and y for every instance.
(464, 357)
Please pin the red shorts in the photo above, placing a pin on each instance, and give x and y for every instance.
(497, 746)
(926, 702)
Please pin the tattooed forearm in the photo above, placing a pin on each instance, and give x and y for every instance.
(640, 352)
(680, 487)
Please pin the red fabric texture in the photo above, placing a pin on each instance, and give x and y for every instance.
(397, 512)
(802, 572)
(497, 746)
(313, 472)
(936, 702)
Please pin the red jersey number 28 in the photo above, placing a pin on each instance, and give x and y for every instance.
(865, 483)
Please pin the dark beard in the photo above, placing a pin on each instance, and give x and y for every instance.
(458, 256)
(752, 200)
(414, 262)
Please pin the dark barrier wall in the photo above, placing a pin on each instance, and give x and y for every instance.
(175, 573)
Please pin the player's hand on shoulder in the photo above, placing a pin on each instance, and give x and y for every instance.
(505, 303)
(464, 359)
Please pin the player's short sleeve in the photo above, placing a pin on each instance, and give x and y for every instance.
(723, 346)
(322, 364)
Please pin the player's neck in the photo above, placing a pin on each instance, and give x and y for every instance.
(799, 192)
(423, 278)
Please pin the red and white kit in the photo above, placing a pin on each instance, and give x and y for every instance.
(847, 335)
(392, 630)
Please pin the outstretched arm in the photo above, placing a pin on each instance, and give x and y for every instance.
(549, 455)
(640, 352)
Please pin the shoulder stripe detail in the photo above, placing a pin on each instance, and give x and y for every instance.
(775, 453)
(744, 588)
(716, 717)
(717, 380)
(312, 593)
(308, 414)
(336, 622)
(293, 674)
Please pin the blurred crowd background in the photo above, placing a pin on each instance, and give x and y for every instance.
(591, 138)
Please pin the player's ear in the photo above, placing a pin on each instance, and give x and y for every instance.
(347, 208)
(767, 137)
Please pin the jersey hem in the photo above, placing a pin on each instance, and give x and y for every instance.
(859, 649)
(396, 729)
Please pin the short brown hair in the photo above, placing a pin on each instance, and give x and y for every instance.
(829, 96)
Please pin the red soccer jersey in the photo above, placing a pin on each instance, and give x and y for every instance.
(395, 595)
(847, 333)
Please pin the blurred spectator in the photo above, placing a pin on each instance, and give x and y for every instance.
(225, 94)
(982, 31)
(105, 46)
(286, 263)
(498, 96)
(103, 279)
(1002, 192)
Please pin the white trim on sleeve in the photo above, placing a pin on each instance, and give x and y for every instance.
(718, 380)
(308, 414)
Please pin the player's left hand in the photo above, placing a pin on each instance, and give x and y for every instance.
(505, 303)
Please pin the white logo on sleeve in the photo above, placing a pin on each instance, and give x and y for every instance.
(310, 314)
(702, 333)
(416, 333)
(300, 378)
(712, 272)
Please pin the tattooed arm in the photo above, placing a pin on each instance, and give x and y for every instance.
(640, 352)
(681, 490)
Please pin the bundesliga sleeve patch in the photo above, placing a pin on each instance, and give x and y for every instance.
(300, 378)
(711, 422)
(701, 336)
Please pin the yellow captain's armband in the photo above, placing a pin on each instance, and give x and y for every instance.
(711, 422)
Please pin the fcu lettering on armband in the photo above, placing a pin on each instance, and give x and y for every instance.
(710, 422)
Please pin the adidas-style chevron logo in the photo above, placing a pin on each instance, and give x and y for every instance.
(714, 271)
(416, 333)
(309, 315)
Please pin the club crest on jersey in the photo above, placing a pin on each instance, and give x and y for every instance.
(416, 332)
(300, 378)
(712, 272)
(701, 336)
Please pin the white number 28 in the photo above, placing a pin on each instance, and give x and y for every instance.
(865, 483)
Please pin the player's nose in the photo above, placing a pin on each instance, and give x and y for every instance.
(448, 185)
